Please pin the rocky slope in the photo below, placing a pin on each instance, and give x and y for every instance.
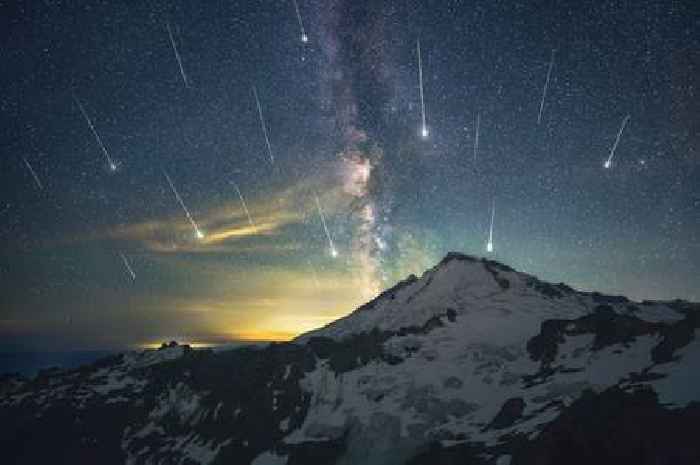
(471, 363)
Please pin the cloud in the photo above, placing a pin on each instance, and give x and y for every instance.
(225, 226)
(222, 226)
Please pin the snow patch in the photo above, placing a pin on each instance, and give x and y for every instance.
(269, 458)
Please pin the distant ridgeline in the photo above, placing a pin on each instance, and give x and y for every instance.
(30, 363)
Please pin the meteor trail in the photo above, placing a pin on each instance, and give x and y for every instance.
(476, 136)
(177, 56)
(489, 244)
(544, 90)
(334, 251)
(608, 162)
(31, 170)
(304, 37)
(128, 266)
(245, 207)
(424, 128)
(197, 232)
(314, 275)
(264, 127)
(112, 165)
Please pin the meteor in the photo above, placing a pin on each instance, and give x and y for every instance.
(476, 136)
(245, 207)
(608, 162)
(334, 251)
(489, 244)
(424, 128)
(544, 90)
(317, 283)
(197, 232)
(264, 127)
(110, 162)
(128, 266)
(177, 56)
(31, 170)
(304, 37)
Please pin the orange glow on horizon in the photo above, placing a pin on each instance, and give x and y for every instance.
(266, 336)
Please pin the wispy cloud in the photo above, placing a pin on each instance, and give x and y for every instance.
(225, 226)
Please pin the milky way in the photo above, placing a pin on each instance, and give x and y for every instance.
(323, 98)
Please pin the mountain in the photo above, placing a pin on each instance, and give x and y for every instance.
(473, 362)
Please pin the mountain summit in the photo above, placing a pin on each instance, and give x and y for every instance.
(473, 362)
(490, 295)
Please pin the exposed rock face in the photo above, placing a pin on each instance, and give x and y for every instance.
(511, 412)
(617, 427)
(471, 363)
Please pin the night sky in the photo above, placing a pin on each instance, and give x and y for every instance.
(343, 115)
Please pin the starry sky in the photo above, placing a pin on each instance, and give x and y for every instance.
(101, 256)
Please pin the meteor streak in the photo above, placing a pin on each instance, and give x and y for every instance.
(544, 90)
(245, 207)
(128, 266)
(314, 275)
(608, 162)
(264, 127)
(424, 128)
(177, 56)
(31, 170)
(489, 244)
(476, 136)
(334, 251)
(304, 37)
(112, 165)
(197, 232)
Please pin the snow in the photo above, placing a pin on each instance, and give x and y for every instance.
(217, 410)
(503, 460)
(657, 312)
(269, 458)
(200, 450)
(190, 447)
(117, 382)
(681, 385)
(284, 424)
(181, 402)
(469, 288)
(151, 357)
(484, 350)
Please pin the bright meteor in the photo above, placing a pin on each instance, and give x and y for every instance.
(197, 232)
(110, 162)
(476, 136)
(544, 90)
(128, 266)
(31, 170)
(264, 126)
(334, 251)
(245, 207)
(304, 37)
(177, 56)
(608, 162)
(489, 244)
(424, 128)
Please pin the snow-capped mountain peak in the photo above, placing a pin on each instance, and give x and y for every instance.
(485, 293)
